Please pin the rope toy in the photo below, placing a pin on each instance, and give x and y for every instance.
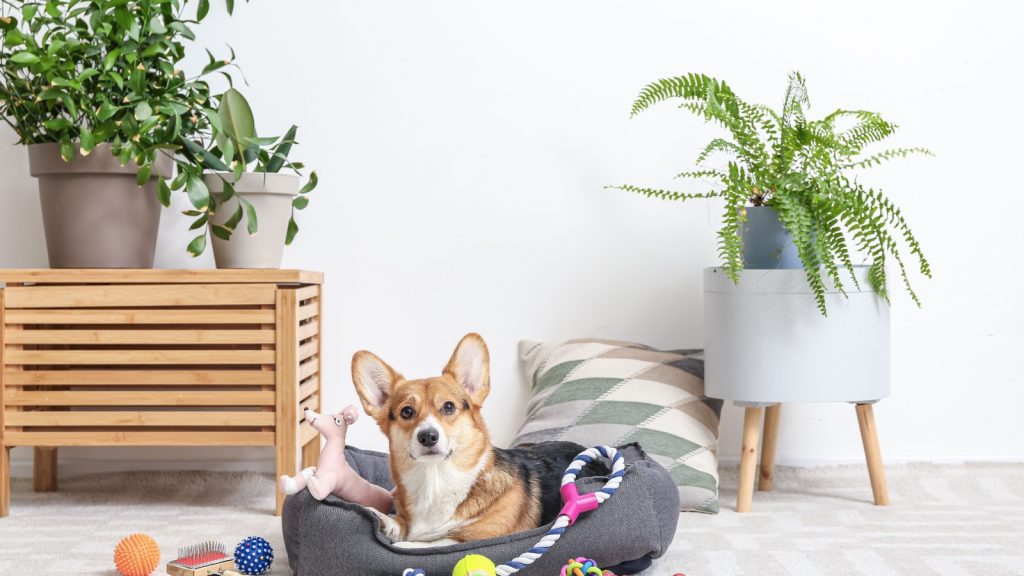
(574, 505)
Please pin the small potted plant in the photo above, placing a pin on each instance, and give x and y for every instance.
(791, 197)
(94, 90)
(239, 177)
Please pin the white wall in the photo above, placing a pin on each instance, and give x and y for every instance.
(463, 147)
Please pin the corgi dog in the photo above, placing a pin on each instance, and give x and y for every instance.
(451, 484)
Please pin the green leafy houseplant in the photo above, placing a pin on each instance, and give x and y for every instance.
(801, 168)
(86, 72)
(233, 149)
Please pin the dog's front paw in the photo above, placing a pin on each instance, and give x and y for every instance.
(388, 526)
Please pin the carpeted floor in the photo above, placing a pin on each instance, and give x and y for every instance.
(965, 520)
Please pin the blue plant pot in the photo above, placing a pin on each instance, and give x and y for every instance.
(767, 245)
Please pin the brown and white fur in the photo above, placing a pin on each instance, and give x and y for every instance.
(450, 483)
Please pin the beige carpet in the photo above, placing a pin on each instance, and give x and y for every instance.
(963, 520)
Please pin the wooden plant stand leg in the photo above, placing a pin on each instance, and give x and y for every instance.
(44, 469)
(766, 481)
(748, 458)
(873, 454)
(5, 480)
(311, 453)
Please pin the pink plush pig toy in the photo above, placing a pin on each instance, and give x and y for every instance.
(332, 474)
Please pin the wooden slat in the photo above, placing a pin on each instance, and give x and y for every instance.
(311, 386)
(140, 337)
(16, 397)
(308, 368)
(309, 311)
(135, 438)
(308, 349)
(308, 433)
(286, 411)
(158, 276)
(139, 378)
(120, 316)
(138, 357)
(308, 330)
(134, 418)
(307, 292)
(140, 295)
(313, 403)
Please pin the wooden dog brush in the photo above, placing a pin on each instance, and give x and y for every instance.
(202, 559)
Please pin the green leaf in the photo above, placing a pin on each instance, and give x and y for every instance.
(142, 176)
(200, 222)
(106, 111)
(52, 10)
(203, 9)
(67, 150)
(109, 59)
(24, 58)
(198, 193)
(293, 229)
(311, 184)
(229, 191)
(250, 215)
(87, 140)
(220, 232)
(282, 150)
(28, 11)
(197, 245)
(156, 25)
(209, 160)
(236, 118)
(230, 5)
(300, 202)
(163, 192)
(57, 124)
(236, 217)
(143, 111)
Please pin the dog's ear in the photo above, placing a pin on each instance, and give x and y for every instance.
(374, 380)
(470, 365)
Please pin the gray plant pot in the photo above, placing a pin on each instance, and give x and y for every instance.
(767, 245)
(94, 213)
(271, 195)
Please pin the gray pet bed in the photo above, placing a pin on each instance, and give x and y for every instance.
(337, 538)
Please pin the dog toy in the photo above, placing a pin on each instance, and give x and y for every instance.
(253, 555)
(202, 559)
(474, 565)
(414, 572)
(581, 567)
(332, 475)
(136, 555)
(574, 503)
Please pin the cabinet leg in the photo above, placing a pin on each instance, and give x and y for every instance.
(44, 470)
(5, 480)
(872, 453)
(748, 458)
(310, 453)
(766, 481)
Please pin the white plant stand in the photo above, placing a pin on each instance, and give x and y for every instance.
(767, 344)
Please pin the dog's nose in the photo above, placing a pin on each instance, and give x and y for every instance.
(427, 437)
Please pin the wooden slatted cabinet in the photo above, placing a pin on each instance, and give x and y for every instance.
(157, 358)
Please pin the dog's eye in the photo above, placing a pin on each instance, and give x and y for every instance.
(407, 412)
(337, 421)
(448, 408)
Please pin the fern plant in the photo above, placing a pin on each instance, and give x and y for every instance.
(801, 168)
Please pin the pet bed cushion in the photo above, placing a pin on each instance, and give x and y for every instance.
(337, 538)
(613, 393)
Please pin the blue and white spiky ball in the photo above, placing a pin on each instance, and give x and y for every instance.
(253, 555)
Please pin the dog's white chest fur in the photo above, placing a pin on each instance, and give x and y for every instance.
(434, 492)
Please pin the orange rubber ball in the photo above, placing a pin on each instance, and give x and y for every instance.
(136, 555)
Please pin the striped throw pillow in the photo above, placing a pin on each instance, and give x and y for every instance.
(607, 392)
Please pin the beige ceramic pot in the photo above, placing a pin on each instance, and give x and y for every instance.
(94, 213)
(271, 194)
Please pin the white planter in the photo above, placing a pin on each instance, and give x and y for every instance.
(766, 341)
(271, 195)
